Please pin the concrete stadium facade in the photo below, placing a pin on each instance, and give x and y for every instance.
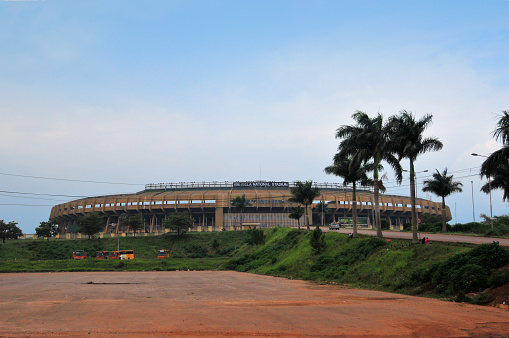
(209, 203)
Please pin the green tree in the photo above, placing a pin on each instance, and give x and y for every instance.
(304, 193)
(352, 172)
(123, 220)
(46, 229)
(496, 166)
(317, 240)
(9, 230)
(135, 222)
(369, 140)
(408, 140)
(498, 179)
(240, 203)
(180, 222)
(90, 224)
(442, 186)
(296, 213)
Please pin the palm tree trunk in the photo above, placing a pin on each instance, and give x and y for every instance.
(444, 226)
(378, 220)
(354, 211)
(415, 238)
(306, 220)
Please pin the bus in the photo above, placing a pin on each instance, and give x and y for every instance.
(122, 254)
(79, 254)
(161, 254)
(126, 254)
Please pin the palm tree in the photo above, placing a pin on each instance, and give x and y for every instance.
(240, 203)
(351, 172)
(496, 164)
(296, 213)
(304, 193)
(368, 140)
(409, 143)
(498, 179)
(442, 185)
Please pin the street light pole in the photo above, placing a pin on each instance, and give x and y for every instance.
(489, 187)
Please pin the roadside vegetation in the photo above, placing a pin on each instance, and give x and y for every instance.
(459, 272)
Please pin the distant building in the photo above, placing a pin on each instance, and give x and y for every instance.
(209, 203)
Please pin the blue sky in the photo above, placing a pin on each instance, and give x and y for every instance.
(177, 91)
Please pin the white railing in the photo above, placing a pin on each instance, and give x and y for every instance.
(226, 184)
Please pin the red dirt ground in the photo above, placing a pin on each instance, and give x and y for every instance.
(188, 303)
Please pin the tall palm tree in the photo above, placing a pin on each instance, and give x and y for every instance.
(442, 185)
(496, 164)
(498, 179)
(296, 213)
(409, 143)
(352, 172)
(304, 193)
(368, 140)
(240, 203)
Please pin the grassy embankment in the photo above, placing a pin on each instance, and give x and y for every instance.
(440, 270)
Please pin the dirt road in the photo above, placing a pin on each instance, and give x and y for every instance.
(187, 303)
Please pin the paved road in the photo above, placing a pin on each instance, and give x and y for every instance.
(432, 237)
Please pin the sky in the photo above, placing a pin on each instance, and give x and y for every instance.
(103, 97)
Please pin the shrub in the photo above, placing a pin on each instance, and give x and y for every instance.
(497, 280)
(196, 250)
(470, 278)
(317, 240)
(385, 224)
(323, 262)
(482, 298)
(255, 237)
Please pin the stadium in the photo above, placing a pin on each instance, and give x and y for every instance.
(209, 204)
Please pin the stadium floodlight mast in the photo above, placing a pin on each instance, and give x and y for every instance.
(489, 187)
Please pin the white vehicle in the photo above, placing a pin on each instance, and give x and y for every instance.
(334, 226)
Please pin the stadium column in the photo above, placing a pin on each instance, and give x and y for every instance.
(107, 224)
(219, 218)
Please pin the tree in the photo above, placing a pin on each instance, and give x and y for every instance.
(321, 209)
(498, 179)
(317, 240)
(442, 186)
(90, 224)
(9, 230)
(351, 172)
(135, 222)
(123, 220)
(296, 213)
(180, 222)
(304, 193)
(240, 203)
(47, 229)
(409, 143)
(497, 164)
(369, 140)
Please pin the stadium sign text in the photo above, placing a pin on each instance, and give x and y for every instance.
(261, 184)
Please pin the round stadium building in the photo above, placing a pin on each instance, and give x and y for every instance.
(209, 204)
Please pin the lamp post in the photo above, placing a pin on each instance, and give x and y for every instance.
(489, 187)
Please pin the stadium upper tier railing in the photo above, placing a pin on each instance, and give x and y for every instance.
(230, 185)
